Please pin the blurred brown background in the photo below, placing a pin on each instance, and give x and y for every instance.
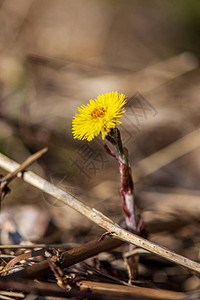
(56, 55)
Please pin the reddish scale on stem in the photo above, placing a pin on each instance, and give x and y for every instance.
(126, 179)
(124, 203)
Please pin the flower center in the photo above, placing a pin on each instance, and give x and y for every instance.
(98, 112)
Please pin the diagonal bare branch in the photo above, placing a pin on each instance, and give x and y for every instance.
(98, 218)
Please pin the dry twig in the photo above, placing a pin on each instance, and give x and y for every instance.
(69, 258)
(120, 290)
(13, 174)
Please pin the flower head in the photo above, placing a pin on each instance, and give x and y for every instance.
(98, 116)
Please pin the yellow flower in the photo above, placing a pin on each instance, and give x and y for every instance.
(98, 116)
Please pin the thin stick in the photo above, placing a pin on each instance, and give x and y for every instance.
(31, 159)
(121, 290)
(98, 217)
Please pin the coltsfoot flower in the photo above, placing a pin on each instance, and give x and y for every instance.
(98, 116)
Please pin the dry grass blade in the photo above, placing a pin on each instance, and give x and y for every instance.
(23, 256)
(12, 294)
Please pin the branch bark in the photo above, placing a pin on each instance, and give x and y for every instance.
(69, 258)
